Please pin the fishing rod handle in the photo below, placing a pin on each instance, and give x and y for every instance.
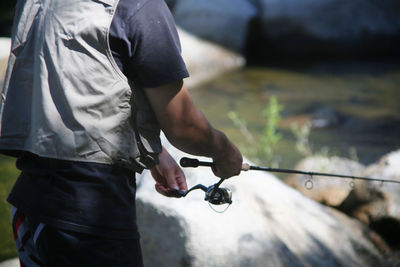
(245, 167)
(194, 163)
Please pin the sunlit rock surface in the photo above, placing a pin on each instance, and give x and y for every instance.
(368, 201)
(206, 60)
(268, 224)
(374, 203)
(10, 263)
(5, 45)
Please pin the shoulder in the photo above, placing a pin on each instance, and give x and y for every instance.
(130, 8)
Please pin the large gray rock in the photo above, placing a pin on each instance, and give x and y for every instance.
(330, 19)
(205, 60)
(295, 28)
(374, 203)
(221, 21)
(10, 263)
(5, 46)
(333, 28)
(380, 201)
(368, 201)
(268, 224)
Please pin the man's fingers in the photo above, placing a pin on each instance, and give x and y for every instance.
(182, 183)
(161, 189)
(181, 179)
(172, 177)
(169, 192)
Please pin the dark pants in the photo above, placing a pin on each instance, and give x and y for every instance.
(43, 245)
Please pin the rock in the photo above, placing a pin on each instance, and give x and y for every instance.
(5, 46)
(268, 224)
(330, 19)
(10, 263)
(326, 117)
(336, 29)
(224, 22)
(206, 60)
(379, 205)
(275, 29)
(330, 191)
(374, 203)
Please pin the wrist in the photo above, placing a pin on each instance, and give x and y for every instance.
(222, 146)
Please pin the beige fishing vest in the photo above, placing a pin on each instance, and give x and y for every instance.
(64, 96)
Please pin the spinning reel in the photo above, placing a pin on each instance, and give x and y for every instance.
(213, 194)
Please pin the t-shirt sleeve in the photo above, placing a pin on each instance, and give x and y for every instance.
(155, 46)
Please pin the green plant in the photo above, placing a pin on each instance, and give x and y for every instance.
(263, 148)
(270, 137)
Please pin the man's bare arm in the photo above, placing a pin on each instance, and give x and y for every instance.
(188, 129)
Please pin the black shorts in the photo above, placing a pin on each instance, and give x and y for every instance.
(43, 245)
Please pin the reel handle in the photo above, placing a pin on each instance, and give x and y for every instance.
(194, 163)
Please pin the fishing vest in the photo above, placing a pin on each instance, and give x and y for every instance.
(64, 96)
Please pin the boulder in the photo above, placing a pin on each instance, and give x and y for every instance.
(330, 27)
(10, 263)
(379, 203)
(224, 22)
(268, 224)
(330, 19)
(205, 60)
(374, 203)
(267, 29)
(5, 46)
(327, 117)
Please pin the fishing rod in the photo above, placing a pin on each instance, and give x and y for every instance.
(194, 163)
(218, 195)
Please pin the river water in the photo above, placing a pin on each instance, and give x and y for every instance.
(353, 106)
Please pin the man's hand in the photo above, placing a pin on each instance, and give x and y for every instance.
(169, 176)
(229, 163)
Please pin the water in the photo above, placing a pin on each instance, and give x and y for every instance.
(359, 102)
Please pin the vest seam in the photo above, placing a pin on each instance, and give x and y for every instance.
(108, 48)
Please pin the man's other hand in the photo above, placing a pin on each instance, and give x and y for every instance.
(169, 176)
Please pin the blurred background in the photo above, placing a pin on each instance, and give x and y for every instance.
(315, 77)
